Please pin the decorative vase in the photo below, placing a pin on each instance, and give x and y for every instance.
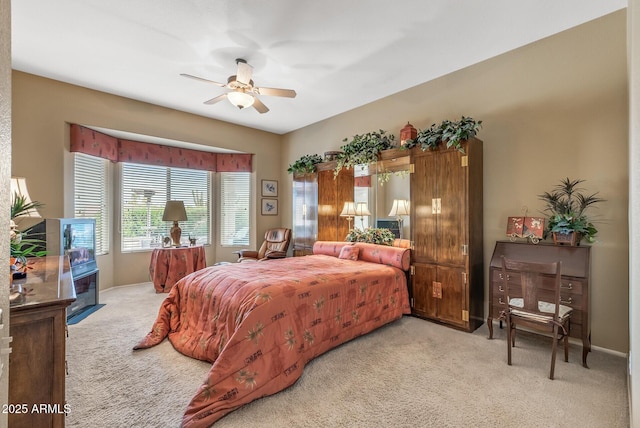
(407, 133)
(571, 238)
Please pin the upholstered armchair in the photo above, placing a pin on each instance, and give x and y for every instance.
(275, 245)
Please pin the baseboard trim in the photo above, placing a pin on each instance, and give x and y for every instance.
(610, 351)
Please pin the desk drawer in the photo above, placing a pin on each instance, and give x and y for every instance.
(568, 284)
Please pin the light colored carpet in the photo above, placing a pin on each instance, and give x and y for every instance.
(411, 373)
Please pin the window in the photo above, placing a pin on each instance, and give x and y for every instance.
(234, 212)
(144, 192)
(91, 182)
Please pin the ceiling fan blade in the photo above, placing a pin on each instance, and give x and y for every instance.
(216, 99)
(202, 80)
(258, 105)
(244, 72)
(275, 92)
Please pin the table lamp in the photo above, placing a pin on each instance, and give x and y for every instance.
(362, 210)
(348, 211)
(399, 208)
(174, 211)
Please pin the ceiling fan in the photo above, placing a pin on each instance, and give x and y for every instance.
(242, 92)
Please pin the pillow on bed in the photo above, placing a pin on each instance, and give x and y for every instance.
(385, 255)
(329, 248)
(349, 252)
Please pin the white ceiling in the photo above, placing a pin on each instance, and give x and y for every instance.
(336, 54)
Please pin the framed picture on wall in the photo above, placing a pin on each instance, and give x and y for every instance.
(269, 206)
(269, 188)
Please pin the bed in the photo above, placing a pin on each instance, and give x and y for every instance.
(259, 324)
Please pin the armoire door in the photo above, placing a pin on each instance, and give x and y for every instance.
(452, 300)
(424, 220)
(327, 210)
(304, 213)
(451, 201)
(424, 301)
(333, 192)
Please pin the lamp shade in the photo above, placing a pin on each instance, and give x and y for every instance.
(174, 211)
(19, 190)
(240, 99)
(349, 210)
(361, 209)
(399, 207)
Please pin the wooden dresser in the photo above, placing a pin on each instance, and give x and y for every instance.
(37, 363)
(574, 289)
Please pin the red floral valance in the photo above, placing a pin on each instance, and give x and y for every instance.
(90, 142)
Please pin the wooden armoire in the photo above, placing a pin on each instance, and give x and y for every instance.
(318, 199)
(447, 278)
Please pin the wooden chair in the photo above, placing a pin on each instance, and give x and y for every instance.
(275, 246)
(533, 299)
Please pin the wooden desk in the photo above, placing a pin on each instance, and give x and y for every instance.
(37, 363)
(169, 265)
(574, 290)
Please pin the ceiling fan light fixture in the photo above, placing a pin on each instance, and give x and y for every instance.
(241, 89)
(240, 99)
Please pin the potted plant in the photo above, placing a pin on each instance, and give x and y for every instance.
(363, 149)
(566, 205)
(20, 245)
(306, 164)
(372, 235)
(451, 133)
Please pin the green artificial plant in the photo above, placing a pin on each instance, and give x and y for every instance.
(363, 149)
(372, 235)
(450, 133)
(305, 164)
(566, 206)
(20, 245)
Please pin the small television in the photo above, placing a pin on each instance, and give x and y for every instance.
(75, 238)
(392, 225)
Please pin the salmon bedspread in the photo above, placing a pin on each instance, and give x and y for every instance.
(261, 323)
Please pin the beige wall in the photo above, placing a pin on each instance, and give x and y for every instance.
(42, 108)
(553, 109)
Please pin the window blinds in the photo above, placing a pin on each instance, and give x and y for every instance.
(144, 192)
(91, 193)
(235, 190)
